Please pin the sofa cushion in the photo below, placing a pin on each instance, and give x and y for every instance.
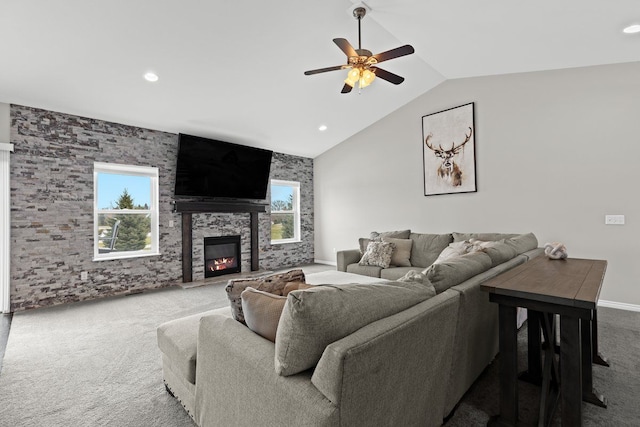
(401, 251)
(456, 270)
(178, 341)
(523, 242)
(364, 270)
(401, 234)
(314, 318)
(457, 237)
(500, 252)
(427, 247)
(455, 249)
(378, 254)
(394, 273)
(273, 283)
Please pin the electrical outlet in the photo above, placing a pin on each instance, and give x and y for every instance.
(84, 275)
(171, 223)
(614, 219)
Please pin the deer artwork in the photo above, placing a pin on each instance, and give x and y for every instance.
(448, 170)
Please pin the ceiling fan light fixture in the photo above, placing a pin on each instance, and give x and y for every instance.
(366, 78)
(352, 77)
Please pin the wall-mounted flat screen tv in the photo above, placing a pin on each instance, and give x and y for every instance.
(210, 168)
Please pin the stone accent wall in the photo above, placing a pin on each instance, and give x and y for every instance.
(52, 211)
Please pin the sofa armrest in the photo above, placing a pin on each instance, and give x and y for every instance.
(346, 257)
(236, 366)
(409, 351)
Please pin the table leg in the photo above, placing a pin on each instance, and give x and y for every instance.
(588, 393)
(508, 364)
(597, 357)
(571, 371)
(533, 374)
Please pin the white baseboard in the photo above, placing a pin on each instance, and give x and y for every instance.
(619, 305)
(321, 261)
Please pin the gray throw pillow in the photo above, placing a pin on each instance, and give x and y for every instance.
(314, 318)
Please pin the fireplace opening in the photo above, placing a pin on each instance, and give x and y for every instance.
(221, 255)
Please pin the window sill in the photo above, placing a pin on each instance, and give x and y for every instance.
(108, 257)
(284, 242)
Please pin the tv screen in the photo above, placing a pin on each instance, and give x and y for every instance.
(218, 169)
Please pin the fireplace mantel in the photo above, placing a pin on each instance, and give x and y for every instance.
(187, 208)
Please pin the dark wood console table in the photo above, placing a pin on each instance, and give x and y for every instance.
(570, 288)
(187, 208)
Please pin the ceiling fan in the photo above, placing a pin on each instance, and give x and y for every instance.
(361, 63)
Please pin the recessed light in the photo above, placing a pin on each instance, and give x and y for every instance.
(322, 128)
(151, 77)
(631, 29)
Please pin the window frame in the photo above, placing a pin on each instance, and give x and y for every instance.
(153, 211)
(295, 211)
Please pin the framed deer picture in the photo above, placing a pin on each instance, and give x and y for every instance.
(449, 156)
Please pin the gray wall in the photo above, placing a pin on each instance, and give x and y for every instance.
(4, 123)
(555, 152)
(52, 210)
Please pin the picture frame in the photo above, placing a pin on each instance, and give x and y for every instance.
(449, 152)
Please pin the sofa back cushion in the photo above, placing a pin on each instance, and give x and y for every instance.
(523, 242)
(456, 270)
(314, 318)
(427, 247)
(500, 252)
(457, 237)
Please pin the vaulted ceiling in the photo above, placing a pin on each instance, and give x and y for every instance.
(234, 70)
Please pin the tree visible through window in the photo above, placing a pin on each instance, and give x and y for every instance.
(126, 213)
(285, 211)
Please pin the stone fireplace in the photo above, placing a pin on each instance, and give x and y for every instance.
(222, 255)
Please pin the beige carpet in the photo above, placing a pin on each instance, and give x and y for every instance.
(97, 364)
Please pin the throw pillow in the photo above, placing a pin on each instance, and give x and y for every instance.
(262, 311)
(363, 243)
(377, 254)
(314, 318)
(294, 286)
(273, 283)
(401, 252)
(454, 249)
(418, 277)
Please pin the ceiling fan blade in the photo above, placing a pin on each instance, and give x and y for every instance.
(324, 70)
(346, 88)
(394, 53)
(346, 47)
(388, 76)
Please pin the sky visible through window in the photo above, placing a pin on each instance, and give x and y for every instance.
(111, 186)
(280, 192)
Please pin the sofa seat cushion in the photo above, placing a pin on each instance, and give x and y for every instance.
(394, 273)
(314, 318)
(456, 270)
(427, 247)
(178, 341)
(365, 270)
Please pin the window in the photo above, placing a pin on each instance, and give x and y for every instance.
(285, 211)
(125, 214)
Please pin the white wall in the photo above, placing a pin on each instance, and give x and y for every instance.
(555, 152)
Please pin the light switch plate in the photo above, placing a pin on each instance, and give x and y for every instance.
(614, 219)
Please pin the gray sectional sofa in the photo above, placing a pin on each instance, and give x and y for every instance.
(385, 354)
